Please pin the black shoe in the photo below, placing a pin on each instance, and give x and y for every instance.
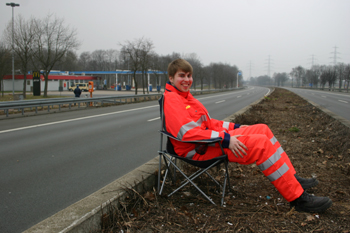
(309, 203)
(306, 183)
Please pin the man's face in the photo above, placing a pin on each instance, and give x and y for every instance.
(182, 80)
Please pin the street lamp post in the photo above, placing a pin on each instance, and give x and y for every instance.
(13, 5)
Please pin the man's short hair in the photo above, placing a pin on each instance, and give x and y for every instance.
(179, 64)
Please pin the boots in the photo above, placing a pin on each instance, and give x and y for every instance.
(310, 203)
(306, 183)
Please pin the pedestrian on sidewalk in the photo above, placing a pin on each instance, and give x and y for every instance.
(77, 91)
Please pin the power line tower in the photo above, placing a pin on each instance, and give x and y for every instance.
(335, 55)
(312, 60)
(250, 69)
(269, 66)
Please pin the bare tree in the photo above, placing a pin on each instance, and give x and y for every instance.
(24, 36)
(84, 61)
(341, 73)
(280, 78)
(112, 59)
(146, 53)
(98, 60)
(69, 62)
(299, 73)
(53, 40)
(262, 81)
(137, 51)
(323, 76)
(223, 75)
(347, 76)
(331, 76)
(5, 64)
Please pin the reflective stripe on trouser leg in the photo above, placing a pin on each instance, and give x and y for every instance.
(277, 145)
(279, 173)
(276, 169)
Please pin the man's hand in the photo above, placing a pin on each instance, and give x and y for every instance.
(243, 126)
(237, 147)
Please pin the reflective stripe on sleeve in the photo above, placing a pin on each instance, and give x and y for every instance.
(190, 125)
(279, 173)
(226, 125)
(185, 128)
(273, 140)
(214, 134)
(273, 159)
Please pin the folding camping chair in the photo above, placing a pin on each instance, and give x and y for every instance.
(170, 159)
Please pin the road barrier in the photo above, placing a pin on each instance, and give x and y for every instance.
(48, 104)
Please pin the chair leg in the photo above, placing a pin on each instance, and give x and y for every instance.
(167, 165)
(224, 188)
(213, 179)
(226, 180)
(190, 181)
(159, 172)
(228, 176)
(196, 174)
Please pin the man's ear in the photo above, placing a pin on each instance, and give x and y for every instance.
(171, 79)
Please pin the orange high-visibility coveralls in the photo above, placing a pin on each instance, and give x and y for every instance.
(188, 119)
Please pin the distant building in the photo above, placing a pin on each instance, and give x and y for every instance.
(54, 82)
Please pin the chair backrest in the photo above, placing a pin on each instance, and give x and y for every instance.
(161, 109)
(170, 147)
(164, 131)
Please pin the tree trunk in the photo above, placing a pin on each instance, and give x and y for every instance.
(46, 77)
(25, 85)
(135, 83)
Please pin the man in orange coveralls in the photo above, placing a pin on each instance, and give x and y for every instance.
(188, 119)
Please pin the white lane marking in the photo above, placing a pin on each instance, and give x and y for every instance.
(76, 119)
(323, 96)
(220, 101)
(239, 96)
(343, 101)
(231, 93)
(157, 118)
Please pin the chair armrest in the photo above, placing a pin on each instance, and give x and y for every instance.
(209, 141)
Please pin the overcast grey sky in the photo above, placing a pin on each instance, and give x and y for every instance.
(245, 33)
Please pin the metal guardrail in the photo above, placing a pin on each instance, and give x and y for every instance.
(30, 105)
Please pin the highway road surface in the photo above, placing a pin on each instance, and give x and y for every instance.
(336, 102)
(50, 161)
